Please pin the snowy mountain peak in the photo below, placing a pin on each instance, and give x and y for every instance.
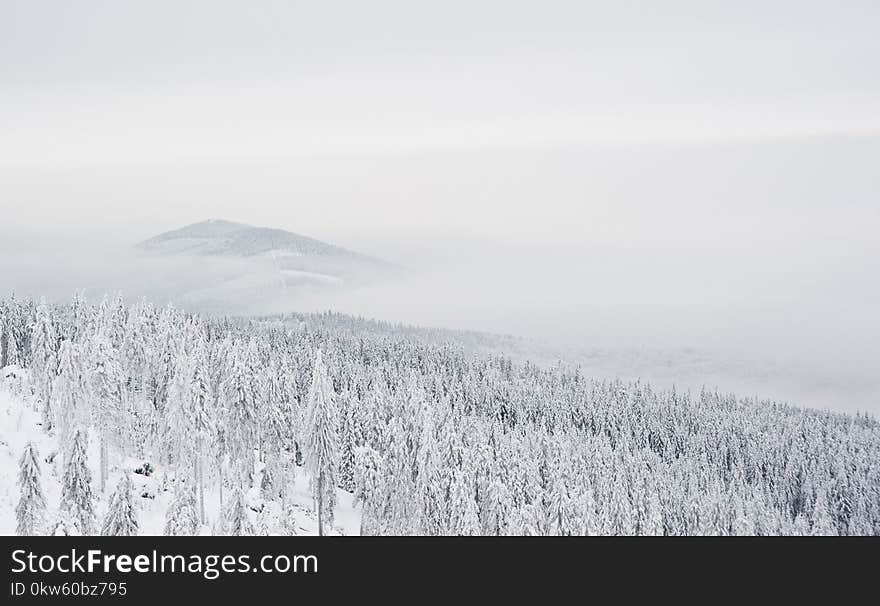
(226, 238)
(222, 265)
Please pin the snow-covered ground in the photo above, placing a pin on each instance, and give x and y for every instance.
(20, 423)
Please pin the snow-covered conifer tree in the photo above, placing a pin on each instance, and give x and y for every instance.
(63, 524)
(182, 517)
(121, 517)
(106, 383)
(348, 446)
(31, 509)
(44, 361)
(201, 399)
(497, 507)
(236, 522)
(653, 524)
(369, 484)
(68, 391)
(321, 450)
(821, 522)
(4, 331)
(239, 410)
(76, 485)
(178, 435)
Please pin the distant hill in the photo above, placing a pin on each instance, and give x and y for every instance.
(219, 265)
(225, 238)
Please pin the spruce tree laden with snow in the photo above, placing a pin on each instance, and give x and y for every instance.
(68, 391)
(31, 509)
(76, 485)
(821, 522)
(121, 517)
(321, 450)
(369, 485)
(44, 362)
(236, 522)
(239, 411)
(201, 397)
(63, 524)
(182, 516)
(106, 382)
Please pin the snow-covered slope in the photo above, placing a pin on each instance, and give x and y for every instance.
(19, 424)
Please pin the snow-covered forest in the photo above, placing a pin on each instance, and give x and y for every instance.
(242, 417)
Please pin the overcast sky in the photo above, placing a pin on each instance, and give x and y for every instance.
(99, 81)
(713, 164)
(212, 81)
(174, 82)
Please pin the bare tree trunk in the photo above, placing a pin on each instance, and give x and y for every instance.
(283, 485)
(103, 463)
(47, 414)
(321, 504)
(201, 482)
(221, 488)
